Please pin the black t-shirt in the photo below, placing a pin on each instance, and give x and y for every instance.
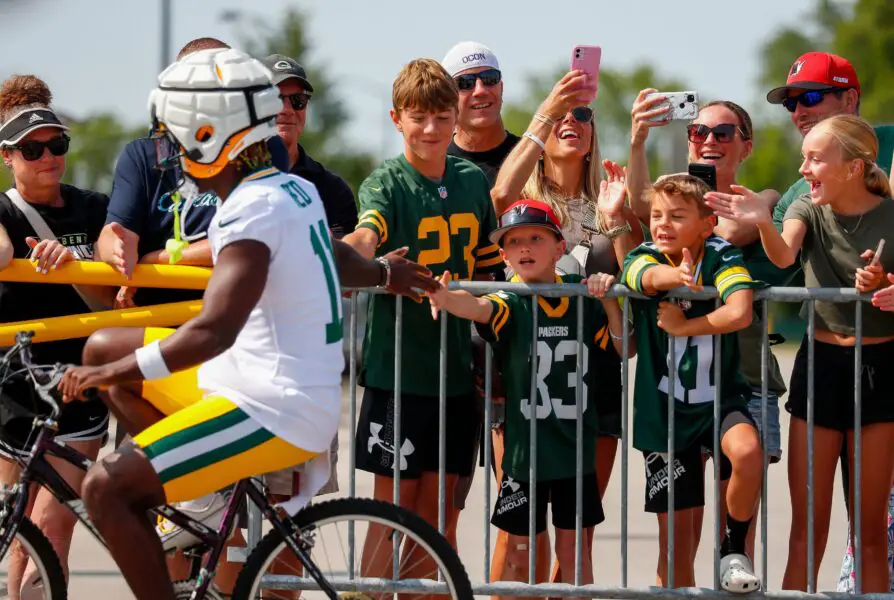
(338, 199)
(488, 161)
(141, 202)
(77, 225)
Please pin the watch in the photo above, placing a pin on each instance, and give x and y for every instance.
(385, 266)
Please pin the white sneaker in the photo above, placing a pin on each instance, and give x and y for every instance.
(206, 510)
(737, 574)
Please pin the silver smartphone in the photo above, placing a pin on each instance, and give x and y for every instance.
(684, 106)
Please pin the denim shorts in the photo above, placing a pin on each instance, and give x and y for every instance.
(774, 433)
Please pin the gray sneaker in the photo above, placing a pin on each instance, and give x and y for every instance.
(737, 574)
(208, 510)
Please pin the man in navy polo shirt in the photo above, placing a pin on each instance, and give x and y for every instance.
(295, 91)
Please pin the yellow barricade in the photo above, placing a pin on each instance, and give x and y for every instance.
(78, 326)
(21, 270)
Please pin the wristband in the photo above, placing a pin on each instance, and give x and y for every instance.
(535, 139)
(151, 362)
(630, 331)
(386, 271)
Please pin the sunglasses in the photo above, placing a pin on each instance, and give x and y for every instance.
(33, 150)
(723, 133)
(582, 114)
(526, 215)
(489, 78)
(298, 100)
(807, 99)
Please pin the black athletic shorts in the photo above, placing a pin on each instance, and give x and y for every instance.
(79, 421)
(689, 472)
(418, 447)
(512, 508)
(833, 388)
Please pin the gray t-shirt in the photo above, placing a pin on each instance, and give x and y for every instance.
(830, 257)
(601, 256)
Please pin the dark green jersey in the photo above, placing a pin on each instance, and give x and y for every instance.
(445, 225)
(722, 266)
(510, 329)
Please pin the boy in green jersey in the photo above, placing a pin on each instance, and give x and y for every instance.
(685, 252)
(530, 240)
(437, 210)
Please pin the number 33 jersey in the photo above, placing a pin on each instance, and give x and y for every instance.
(285, 367)
(511, 330)
(445, 225)
(723, 267)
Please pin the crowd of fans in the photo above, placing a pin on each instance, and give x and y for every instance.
(470, 200)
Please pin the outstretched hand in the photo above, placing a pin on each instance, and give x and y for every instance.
(407, 277)
(437, 297)
(742, 206)
(612, 189)
(48, 255)
(884, 298)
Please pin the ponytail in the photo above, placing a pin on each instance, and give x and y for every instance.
(876, 180)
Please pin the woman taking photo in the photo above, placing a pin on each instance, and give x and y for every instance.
(33, 144)
(836, 230)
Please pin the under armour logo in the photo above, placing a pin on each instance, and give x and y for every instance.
(375, 439)
(35, 118)
(511, 484)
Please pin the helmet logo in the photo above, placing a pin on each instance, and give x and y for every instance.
(204, 133)
(282, 65)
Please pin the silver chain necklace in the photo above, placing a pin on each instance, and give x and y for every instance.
(857, 226)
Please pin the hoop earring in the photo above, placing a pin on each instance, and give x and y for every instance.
(587, 157)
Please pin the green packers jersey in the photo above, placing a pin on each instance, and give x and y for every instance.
(510, 329)
(445, 225)
(723, 267)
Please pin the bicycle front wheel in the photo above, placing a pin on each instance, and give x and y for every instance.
(353, 544)
(43, 578)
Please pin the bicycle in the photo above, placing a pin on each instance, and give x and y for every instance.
(298, 536)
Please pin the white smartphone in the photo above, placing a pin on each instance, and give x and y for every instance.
(684, 106)
(878, 252)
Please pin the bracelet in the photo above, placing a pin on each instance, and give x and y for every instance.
(151, 362)
(386, 271)
(620, 337)
(544, 119)
(535, 139)
(616, 231)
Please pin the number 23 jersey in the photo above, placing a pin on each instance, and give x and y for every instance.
(284, 369)
(722, 266)
(445, 225)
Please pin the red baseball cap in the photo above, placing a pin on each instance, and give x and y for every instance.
(817, 71)
(527, 213)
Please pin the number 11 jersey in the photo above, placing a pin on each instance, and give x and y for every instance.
(723, 267)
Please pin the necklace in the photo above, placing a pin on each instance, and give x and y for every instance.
(855, 227)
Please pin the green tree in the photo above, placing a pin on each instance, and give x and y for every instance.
(327, 115)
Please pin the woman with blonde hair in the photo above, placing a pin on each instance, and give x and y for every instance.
(33, 144)
(836, 230)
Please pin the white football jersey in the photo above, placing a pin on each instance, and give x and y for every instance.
(285, 368)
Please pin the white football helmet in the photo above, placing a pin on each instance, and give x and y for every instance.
(215, 104)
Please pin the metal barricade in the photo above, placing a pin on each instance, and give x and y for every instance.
(485, 586)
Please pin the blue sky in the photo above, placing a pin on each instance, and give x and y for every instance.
(104, 54)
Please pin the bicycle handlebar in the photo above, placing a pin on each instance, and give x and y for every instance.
(22, 349)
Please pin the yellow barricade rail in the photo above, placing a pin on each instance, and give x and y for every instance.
(21, 270)
(78, 326)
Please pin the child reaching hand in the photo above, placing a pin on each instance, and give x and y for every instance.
(530, 241)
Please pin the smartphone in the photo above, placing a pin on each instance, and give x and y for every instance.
(684, 106)
(707, 173)
(587, 59)
(878, 252)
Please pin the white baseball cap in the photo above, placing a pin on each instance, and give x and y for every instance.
(469, 55)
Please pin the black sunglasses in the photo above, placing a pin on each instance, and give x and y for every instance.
(808, 98)
(489, 77)
(298, 100)
(582, 114)
(33, 150)
(723, 133)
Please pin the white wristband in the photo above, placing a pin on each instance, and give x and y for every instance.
(151, 362)
(535, 139)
